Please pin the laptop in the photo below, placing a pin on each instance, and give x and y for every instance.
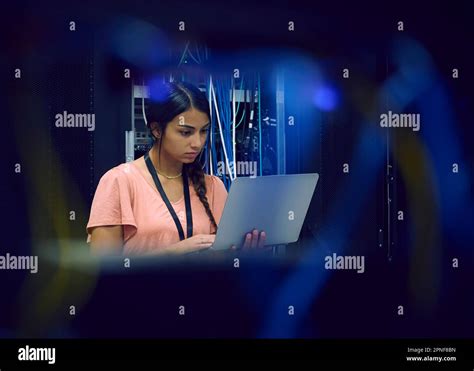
(276, 204)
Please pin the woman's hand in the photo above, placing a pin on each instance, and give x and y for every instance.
(192, 244)
(254, 241)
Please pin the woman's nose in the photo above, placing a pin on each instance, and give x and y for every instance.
(196, 143)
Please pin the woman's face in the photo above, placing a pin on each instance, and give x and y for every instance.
(186, 135)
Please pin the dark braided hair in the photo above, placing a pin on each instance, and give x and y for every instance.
(168, 100)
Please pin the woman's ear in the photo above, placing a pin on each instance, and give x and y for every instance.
(155, 130)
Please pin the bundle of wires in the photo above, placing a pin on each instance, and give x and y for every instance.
(248, 132)
(224, 125)
(221, 130)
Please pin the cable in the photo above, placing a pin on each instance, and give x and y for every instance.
(241, 84)
(233, 128)
(259, 126)
(220, 131)
(192, 56)
(225, 110)
(143, 103)
(186, 49)
(184, 53)
(210, 111)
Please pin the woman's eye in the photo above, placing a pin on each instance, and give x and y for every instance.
(185, 133)
(205, 130)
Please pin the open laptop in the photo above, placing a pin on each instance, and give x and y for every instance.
(276, 204)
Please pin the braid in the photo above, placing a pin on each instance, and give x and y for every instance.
(196, 174)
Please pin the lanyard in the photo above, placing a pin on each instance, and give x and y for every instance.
(189, 215)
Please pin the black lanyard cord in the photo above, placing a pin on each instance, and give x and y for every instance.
(187, 200)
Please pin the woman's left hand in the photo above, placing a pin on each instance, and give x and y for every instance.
(254, 241)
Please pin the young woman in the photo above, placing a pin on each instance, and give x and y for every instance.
(163, 203)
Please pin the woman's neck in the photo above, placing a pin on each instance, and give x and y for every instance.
(164, 164)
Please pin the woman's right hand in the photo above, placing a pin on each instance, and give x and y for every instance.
(192, 244)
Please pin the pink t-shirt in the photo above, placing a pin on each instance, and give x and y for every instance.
(125, 197)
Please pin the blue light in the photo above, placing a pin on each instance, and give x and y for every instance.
(158, 91)
(138, 42)
(325, 98)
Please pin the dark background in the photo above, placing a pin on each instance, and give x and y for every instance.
(64, 69)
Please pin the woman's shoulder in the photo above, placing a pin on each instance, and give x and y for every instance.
(211, 179)
(215, 182)
(122, 172)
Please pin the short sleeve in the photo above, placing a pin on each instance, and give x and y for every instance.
(219, 197)
(112, 203)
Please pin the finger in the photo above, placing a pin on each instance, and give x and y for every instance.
(207, 239)
(254, 239)
(248, 238)
(262, 239)
(205, 245)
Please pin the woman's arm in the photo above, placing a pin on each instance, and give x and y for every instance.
(107, 240)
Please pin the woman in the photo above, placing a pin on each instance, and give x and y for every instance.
(163, 203)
